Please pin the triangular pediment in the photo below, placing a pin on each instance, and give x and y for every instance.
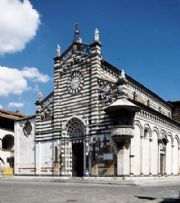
(76, 50)
(75, 57)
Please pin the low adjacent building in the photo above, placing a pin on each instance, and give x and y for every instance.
(7, 119)
(25, 146)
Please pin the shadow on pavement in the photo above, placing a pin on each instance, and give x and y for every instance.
(146, 197)
(166, 200)
(171, 200)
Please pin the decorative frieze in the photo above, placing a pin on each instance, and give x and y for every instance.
(120, 132)
(107, 91)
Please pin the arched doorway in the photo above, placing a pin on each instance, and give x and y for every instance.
(154, 153)
(145, 153)
(8, 154)
(76, 132)
(175, 157)
(8, 142)
(135, 150)
(169, 155)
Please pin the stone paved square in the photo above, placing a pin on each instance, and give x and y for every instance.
(77, 192)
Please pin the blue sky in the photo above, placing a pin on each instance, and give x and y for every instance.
(142, 37)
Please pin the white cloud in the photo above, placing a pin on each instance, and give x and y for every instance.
(11, 81)
(16, 104)
(1, 107)
(15, 81)
(18, 25)
(33, 73)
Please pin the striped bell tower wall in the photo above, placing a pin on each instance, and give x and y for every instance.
(86, 60)
(95, 74)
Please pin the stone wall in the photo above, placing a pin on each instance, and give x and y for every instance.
(154, 147)
(25, 148)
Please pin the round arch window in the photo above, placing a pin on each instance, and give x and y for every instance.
(75, 128)
(7, 142)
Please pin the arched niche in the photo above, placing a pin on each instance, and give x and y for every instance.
(145, 155)
(154, 152)
(8, 142)
(175, 156)
(76, 148)
(135, 149)
(169, 154)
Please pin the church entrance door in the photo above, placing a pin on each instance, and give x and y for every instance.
(76, 132)
(77, 159)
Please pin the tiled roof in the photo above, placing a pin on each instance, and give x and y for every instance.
(10, 115)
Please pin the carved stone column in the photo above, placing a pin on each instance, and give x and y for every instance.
(121, 137)
(123, 159)
(86, 157)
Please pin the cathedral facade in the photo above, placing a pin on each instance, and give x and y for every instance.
(98, 121)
